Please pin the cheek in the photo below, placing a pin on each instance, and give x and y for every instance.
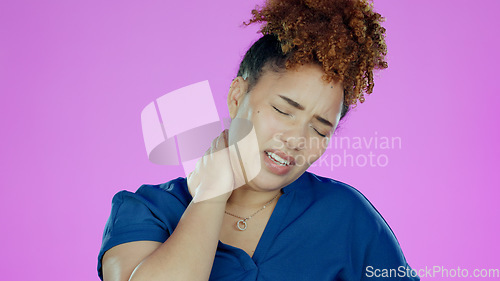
(266, 125)
(316, 147)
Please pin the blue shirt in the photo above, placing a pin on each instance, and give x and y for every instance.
(320, 229)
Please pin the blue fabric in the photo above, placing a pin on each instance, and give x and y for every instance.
(320, 229)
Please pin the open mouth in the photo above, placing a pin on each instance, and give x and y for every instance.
(278, 160)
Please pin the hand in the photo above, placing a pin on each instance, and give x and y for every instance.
(214, 177)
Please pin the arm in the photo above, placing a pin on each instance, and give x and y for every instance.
(118, 264)
(189, 252)
(194, 240)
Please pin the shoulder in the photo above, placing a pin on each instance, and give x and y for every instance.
(332, 191)
(149, 214)
(174, 191)
(348, 209)
(349, 222)
(163, 203)
(339, 200)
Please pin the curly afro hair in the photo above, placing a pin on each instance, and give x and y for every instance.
(345, 37)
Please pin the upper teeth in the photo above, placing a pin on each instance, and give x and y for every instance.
(278, 159)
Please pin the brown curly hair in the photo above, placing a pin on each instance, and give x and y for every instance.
(345, 37)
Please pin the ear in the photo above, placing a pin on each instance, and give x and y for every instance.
(236, 94)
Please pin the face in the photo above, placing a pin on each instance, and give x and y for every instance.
(294, 115)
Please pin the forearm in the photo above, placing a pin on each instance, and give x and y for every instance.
(189, 252)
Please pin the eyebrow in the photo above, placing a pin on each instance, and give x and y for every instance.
(301, 107)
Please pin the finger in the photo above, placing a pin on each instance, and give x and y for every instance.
(220, 142)
(250, 155)
(236, 166)
(226, 137)
(214, 146)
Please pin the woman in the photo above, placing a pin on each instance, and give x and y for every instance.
(251, 211)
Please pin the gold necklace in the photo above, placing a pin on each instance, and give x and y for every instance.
(242, 223)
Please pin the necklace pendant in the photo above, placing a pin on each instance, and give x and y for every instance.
(241, 225)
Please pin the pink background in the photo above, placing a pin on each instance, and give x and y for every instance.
(74, 77)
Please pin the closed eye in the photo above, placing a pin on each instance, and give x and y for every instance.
(312, 127)
(286, 114)
(280, 111)
(320, 133)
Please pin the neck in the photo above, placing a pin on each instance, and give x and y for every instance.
(246, 198)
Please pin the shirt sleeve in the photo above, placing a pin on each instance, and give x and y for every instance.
(133, 218)
(384, 258)
(375, 251)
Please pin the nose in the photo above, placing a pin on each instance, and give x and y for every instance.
(294, 138)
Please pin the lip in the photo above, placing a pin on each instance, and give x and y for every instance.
(274, 167)
(283, 155)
